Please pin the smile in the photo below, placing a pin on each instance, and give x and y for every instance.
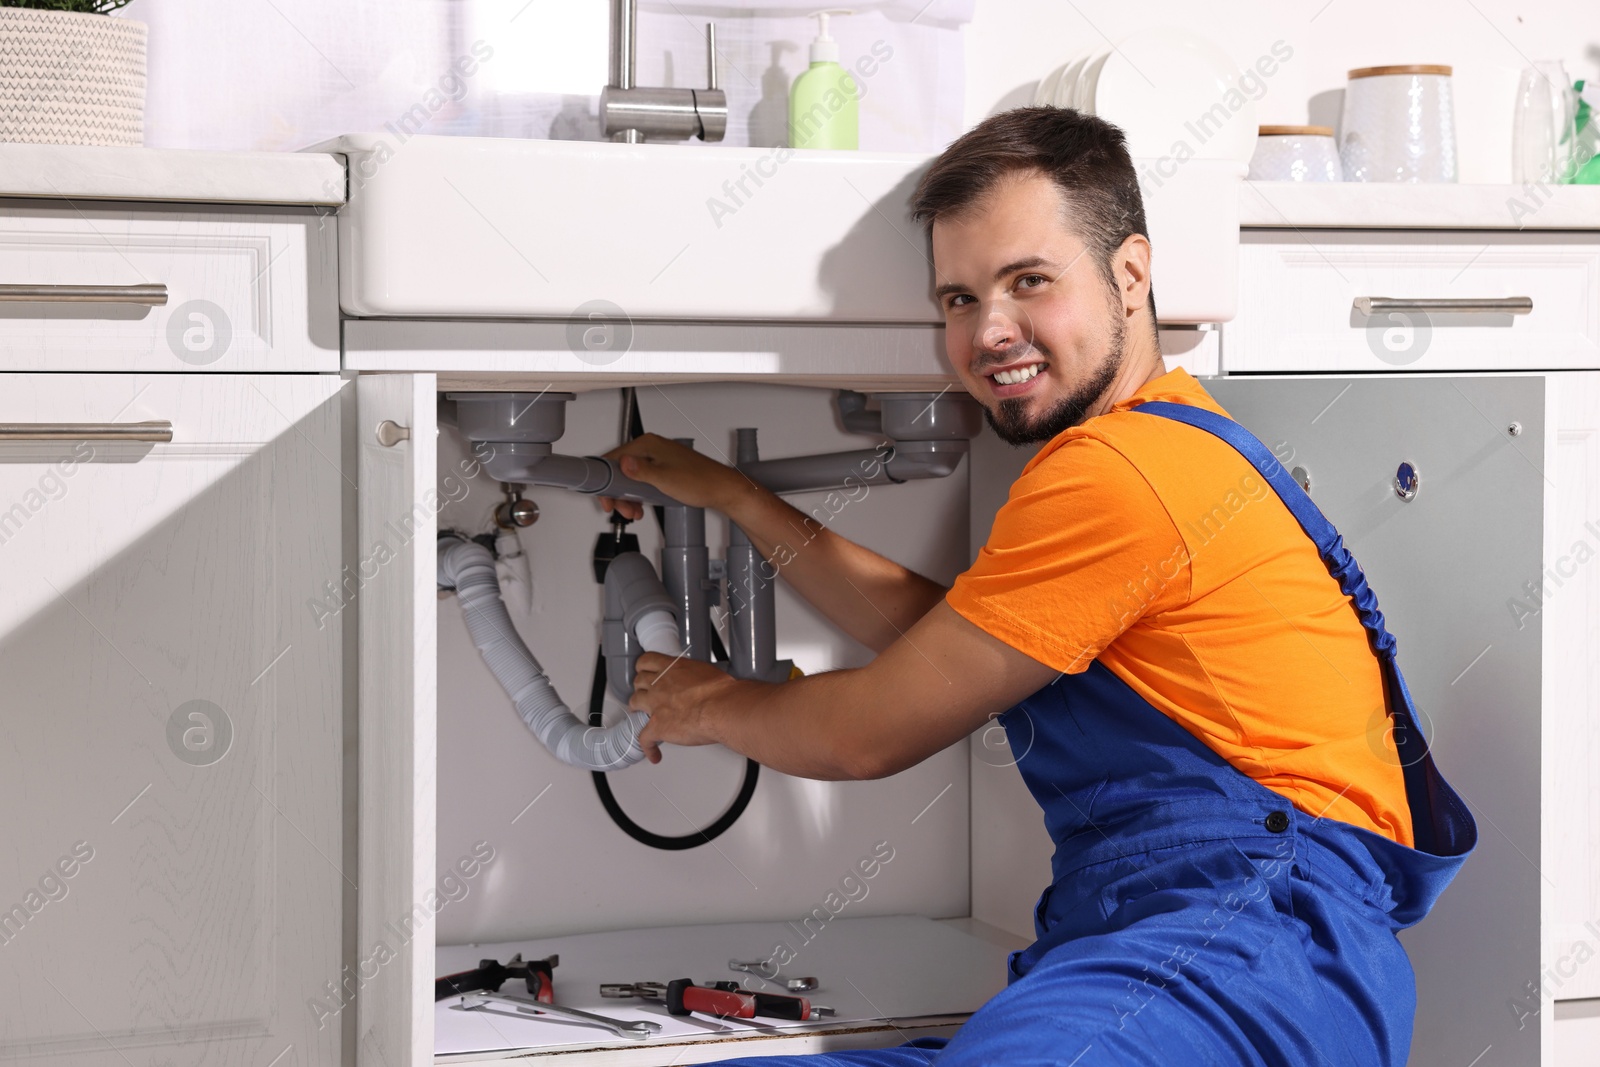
(1018, 375)
(1017, 381)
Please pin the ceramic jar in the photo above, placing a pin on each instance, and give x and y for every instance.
(1296, 154)
(1398, 125)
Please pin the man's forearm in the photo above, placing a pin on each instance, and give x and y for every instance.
(869, 597)
(808, 727)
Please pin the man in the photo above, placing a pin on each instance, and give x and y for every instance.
(1191, 668)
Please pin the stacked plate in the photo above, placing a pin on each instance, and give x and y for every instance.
(1171, 91)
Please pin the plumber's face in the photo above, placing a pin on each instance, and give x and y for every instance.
(1032, 327)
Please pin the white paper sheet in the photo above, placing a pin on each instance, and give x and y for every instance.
(870, 969)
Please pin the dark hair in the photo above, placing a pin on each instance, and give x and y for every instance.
(1085, 156)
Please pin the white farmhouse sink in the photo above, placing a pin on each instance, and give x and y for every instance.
(451, 227)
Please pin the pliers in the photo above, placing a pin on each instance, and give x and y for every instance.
(490, 975)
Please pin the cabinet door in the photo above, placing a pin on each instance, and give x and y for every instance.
(171, 673)
(1444, 565)
(397, 572)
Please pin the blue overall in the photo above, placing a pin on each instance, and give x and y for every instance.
(1195, 916)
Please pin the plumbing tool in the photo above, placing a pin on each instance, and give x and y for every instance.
(490, 975)
(758, 968)
(725, 1000)
(639, 1029)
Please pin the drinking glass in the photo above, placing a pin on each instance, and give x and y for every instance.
(1543, 134)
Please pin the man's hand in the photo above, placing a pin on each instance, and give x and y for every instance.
(871, 598)
(941, 680)
(679, 694)
(682, 473)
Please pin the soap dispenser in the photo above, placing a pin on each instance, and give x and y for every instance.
(822, 104)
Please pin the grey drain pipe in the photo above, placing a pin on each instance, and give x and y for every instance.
(928, 434)
(752, 598)
(686, 572)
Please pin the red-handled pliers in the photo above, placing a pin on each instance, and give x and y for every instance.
(490, 975)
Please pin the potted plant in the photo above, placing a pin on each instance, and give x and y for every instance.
(69, 74)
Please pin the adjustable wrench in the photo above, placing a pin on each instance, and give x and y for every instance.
(758, 968)
(637, 1029)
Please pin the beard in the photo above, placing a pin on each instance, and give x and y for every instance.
(1010, 420)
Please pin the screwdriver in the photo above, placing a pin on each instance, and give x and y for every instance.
(725, 1000)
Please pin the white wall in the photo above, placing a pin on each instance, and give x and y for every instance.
(1011, 44)
(295, 72)
(290, 73)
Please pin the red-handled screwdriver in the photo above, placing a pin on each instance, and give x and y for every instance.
(725, 1000)
(683, 997)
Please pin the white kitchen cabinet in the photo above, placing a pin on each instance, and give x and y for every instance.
(174, 876)
(1298, 291)
(1565, 597)
(111, 287)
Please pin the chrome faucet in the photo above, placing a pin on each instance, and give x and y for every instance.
(632, 114)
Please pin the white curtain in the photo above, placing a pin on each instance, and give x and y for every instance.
(284, 74)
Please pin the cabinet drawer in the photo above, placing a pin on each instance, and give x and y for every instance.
(1299, 292)
(221, 290)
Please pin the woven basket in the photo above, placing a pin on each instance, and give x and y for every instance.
(70, 78)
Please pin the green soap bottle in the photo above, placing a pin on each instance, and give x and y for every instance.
(822, 103)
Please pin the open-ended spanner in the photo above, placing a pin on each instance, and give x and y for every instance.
(759, 969)
(638, 1029)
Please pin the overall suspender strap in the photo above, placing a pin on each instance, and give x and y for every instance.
(1441, 822)
(1341, 564)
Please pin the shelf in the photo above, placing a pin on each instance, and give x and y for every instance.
(1437, 206)
(884, 976)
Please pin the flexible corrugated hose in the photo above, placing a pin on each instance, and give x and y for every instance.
(468, 568)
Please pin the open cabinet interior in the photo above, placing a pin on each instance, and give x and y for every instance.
(520, 856)
(811, 875)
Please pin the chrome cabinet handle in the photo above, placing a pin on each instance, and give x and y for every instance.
(1510, 305)
(151, 295)
(86, 431)
(391, 433)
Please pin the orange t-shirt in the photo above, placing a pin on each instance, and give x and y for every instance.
(1159, 550)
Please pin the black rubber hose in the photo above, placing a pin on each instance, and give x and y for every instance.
(597, 697)
(608, 799)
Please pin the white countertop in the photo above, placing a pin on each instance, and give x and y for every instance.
(166, 174)
(1391, 205)
(318, 178)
